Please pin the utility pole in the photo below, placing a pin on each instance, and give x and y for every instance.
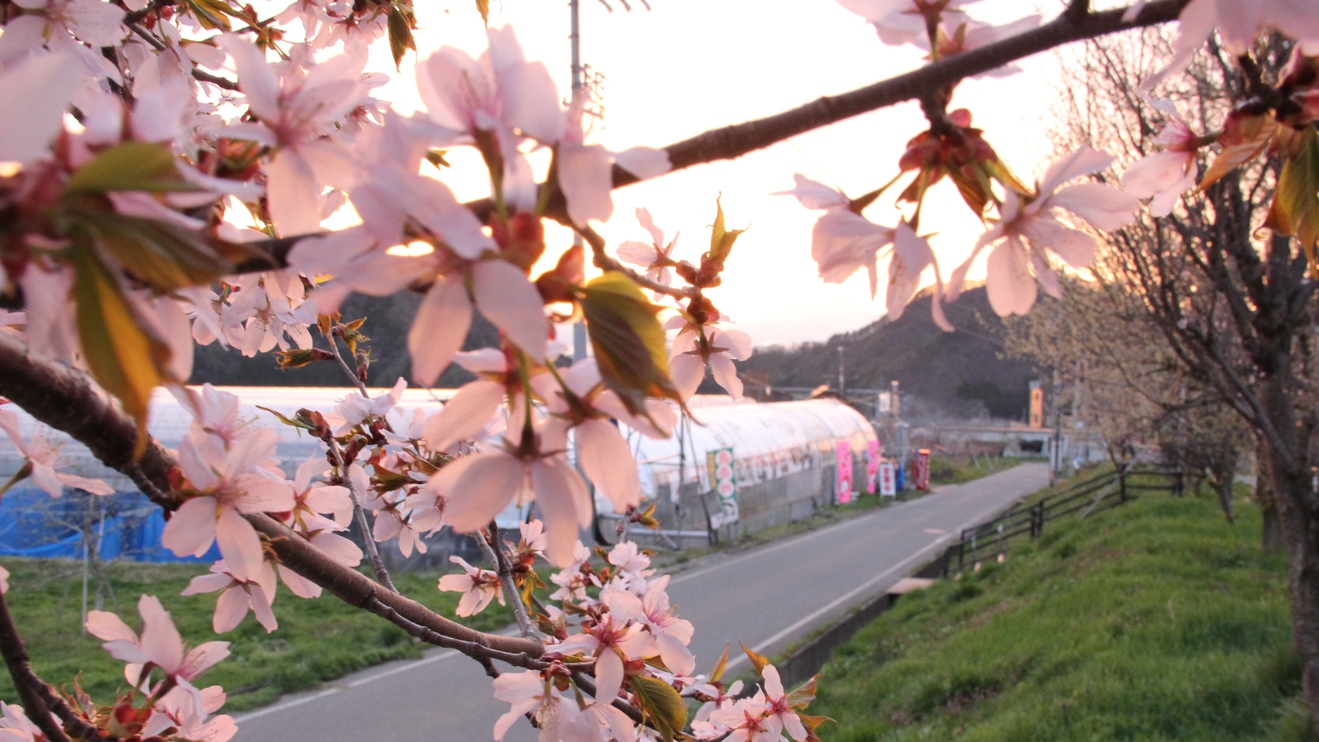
(575, 37)
(842, 383)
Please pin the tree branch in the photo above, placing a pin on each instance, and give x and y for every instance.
(65, 399)
(38, 701)
(731, 142)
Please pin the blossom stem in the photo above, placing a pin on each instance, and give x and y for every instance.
(606, 263)
(489, 541)
(343, 365)
(377, 564)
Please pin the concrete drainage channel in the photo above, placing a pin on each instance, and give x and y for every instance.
(811, 657)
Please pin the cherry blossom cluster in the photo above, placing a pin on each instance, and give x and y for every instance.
(1037, 228)
(617, 618)
(171, 707)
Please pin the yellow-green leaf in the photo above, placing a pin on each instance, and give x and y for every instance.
(124, 358)
(628, 340)
(162, 255)
(720, 666)
(757, 660)
(1295, 209)
(804, 693)
(131, 166)
(661, 704)
(721, 238)
(213, 15)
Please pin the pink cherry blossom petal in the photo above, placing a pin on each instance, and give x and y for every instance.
(230, 608)
(608, 676)
(478, 487)
(443, 318)
(1010, 285)
(464, 415)
(190, 531)
(607, 460)
(239, 543)
(160, 639)
(294, 194)
(511, 303)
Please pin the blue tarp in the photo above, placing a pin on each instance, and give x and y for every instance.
(126, 524)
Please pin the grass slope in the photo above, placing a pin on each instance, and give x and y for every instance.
(317, 640)
(1153, 621)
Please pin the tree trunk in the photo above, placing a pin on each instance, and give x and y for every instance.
(1289, 478)
(1271, 538)
(1268, 506)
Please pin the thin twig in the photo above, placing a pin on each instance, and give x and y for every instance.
(489, 541)
(38, 701)
(372, 552)
(588, 685)
(348, 371)
(602, 261)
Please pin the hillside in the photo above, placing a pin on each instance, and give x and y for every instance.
(958, 373)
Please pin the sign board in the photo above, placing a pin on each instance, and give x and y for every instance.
(844, 472)
(1036, 405)
(872, 466)
(723, 480)
(888, 480)
(920, 469)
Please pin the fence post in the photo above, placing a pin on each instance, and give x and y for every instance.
(1122, 485)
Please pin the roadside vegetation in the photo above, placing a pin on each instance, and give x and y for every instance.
(317, 640)
(1157, 620)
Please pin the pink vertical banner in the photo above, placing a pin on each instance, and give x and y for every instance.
(844, 472)
(872, 466)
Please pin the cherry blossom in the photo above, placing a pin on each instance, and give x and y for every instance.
(238, 595)
(697, 347)
(781, 715)
(581, 403)
(159, 646)
(479, 486)
(612, 642)
(671, 633)
(1029, 227)
(903, 21)
(478, 586)
(529, 693)
(585, 171)
(43, 457)
(296, 110)
(1238, 25)
(46, 83)
(227, 486)
(1168, 174)
(654, 258)
(16, 727)
(176, 711)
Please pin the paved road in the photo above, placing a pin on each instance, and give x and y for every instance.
(765, 598)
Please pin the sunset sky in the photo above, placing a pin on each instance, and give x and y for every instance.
(687, 66)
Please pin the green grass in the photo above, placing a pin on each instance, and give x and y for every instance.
(1153, 621)
(959, 469)
(317, 640)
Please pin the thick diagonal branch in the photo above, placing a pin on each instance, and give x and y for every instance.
(64, 399)
(731, 142)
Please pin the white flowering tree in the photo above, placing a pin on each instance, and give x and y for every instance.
(164, 184)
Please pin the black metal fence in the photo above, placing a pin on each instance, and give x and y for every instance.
(1093, 494)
